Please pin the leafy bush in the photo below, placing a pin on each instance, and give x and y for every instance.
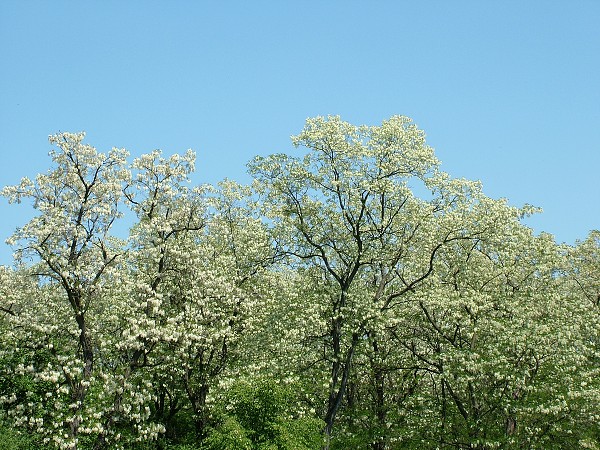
(262, 416)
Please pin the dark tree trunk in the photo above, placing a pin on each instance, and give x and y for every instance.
(339, 382)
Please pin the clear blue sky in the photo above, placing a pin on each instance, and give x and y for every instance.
(508, 92)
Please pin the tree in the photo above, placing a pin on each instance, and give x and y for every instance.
(195, 257)
(73, 255)
(126, 335)
(346, 214)
(356, 282)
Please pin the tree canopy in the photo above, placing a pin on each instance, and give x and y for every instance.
(353, 296)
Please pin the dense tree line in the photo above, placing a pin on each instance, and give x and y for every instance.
(353, 296)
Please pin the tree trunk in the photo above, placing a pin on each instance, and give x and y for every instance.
(339, 382)
(379, 395)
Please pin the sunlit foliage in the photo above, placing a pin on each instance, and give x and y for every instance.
(354, 296)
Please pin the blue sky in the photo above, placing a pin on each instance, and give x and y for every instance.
(507, 92)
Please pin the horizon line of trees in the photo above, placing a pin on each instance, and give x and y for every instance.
(353, 296)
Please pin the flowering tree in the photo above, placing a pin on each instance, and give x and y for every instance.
(72, 258)
(408, 274)
(355, 282)
(347, 213)
(195, 257)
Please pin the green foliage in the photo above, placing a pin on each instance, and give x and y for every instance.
(230, 434)
(261, 415)
(355, 296)
(12, 439)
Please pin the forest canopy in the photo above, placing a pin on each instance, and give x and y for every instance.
(353, 296)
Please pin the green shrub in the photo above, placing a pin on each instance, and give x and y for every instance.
(263, 416)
